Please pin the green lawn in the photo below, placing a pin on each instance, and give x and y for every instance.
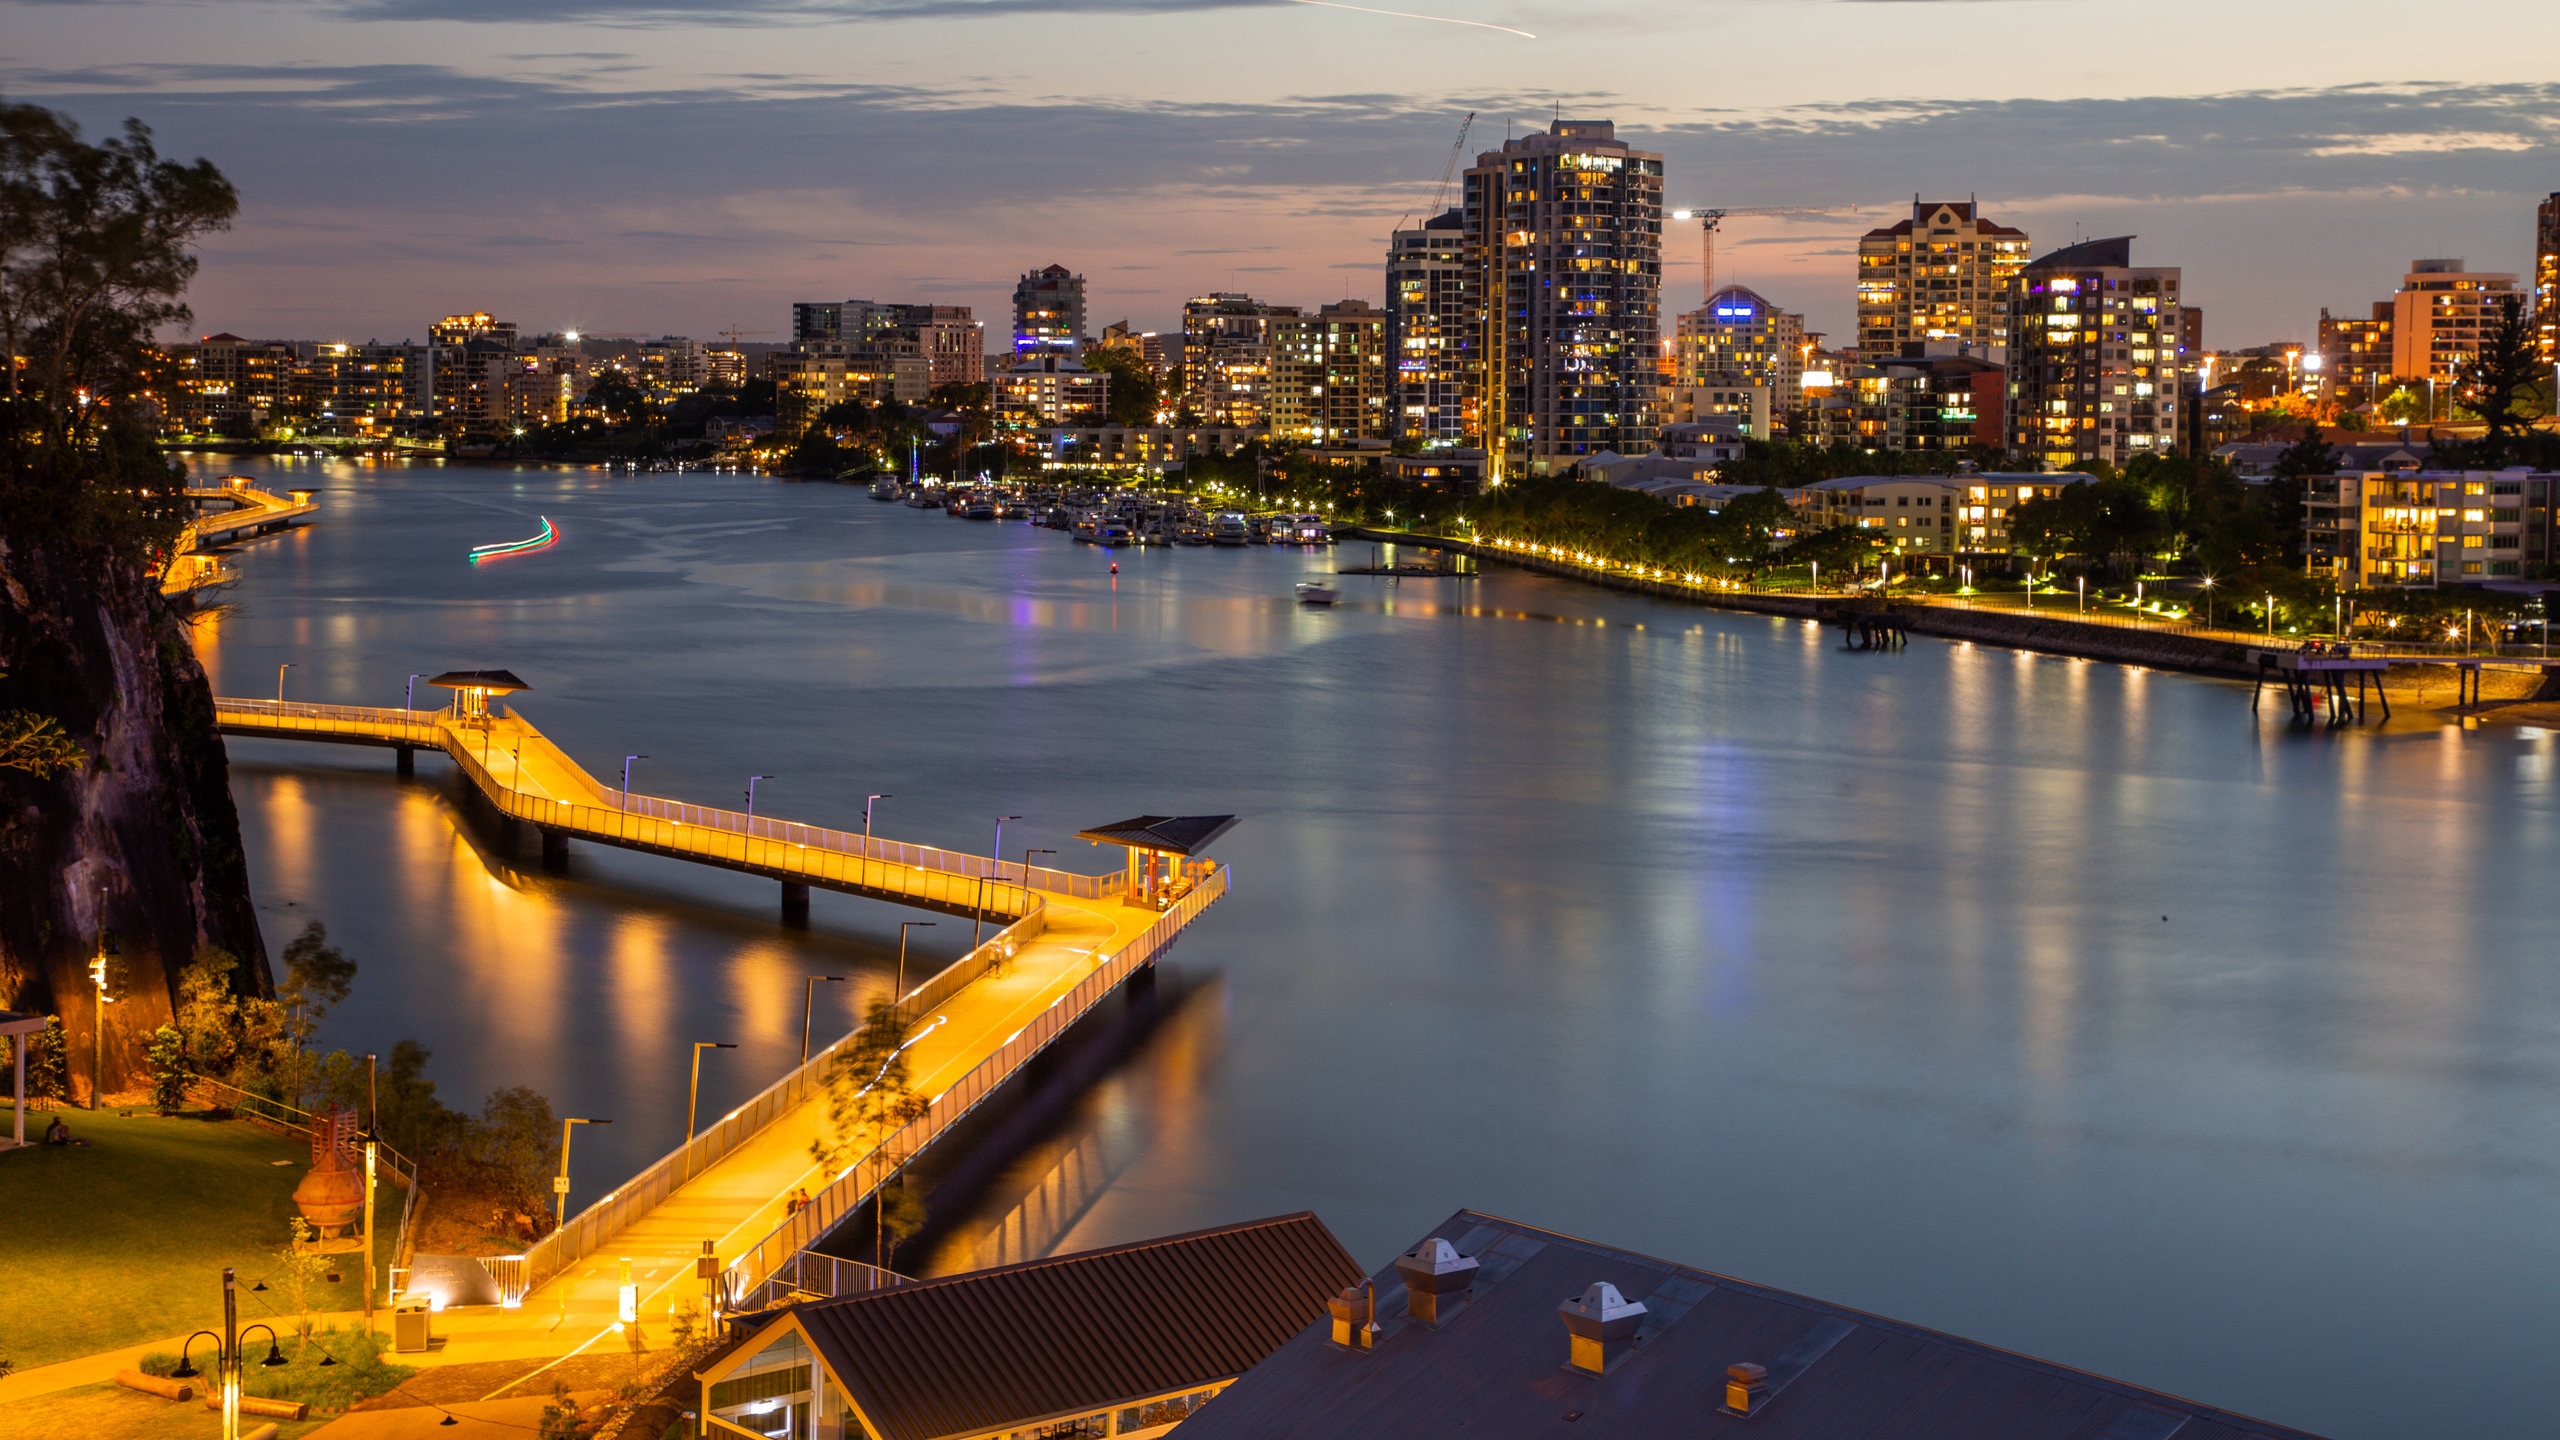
(123, 1240)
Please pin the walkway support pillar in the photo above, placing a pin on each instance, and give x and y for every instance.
(795, 904)
(405, 759)
(555, 848)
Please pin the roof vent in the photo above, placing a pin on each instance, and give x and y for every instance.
(1432, 1270)
(1601, 1321)
(1355, 1316)
(1746, 1388)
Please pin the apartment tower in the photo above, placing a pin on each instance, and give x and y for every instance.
(1943, 274)
(2546, 278)
(1048, 313)
(2093, 358)
(1567, 227)
(1739, 339)
(1435, 332)
(2441, 315)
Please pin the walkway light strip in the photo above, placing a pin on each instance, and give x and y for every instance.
(533, 546)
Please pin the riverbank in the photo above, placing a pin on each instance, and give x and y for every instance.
(2508, 695)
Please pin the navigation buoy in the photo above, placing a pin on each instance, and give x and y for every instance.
(533, 546)
(1115, 567)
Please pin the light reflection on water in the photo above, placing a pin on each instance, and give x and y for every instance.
(1687, 931)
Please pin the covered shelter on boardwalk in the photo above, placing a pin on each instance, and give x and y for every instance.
(21, 1032)
(1156, 881)
(472, 688)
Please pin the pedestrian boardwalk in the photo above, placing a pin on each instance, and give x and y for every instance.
(1068, 941)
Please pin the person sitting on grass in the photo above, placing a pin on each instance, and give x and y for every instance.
(57, 1133)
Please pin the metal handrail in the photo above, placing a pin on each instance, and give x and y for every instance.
(587, 1231)
(250, 1102)
(860, 1180)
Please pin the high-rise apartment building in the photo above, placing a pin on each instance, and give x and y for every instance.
(2093, 357)
(2438, 320)
(1048, 312)
(1944, 274)
(2355, 354)
(1226, 357)
(1329, 379)
(364, 389)
(1435, 332)
(1739, 338)
(471, 361)
(849, 322)
(226, 384)
(951, 340)
(2546, 278)
(1567, 225)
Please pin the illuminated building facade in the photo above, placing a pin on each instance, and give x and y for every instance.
(2402, 529)
(1944, 274)
(951, 340)
(2546, 278)
(225, 384)
(2442, 313)
(364, 389)
(1048, 312)
(1926, 515)
(1152, 448)
(1739, 338)
(1567, 225)
(814, 377)
(1226, 358)
(1329, 379)
(1435, 332)
(2355, 354)
(1050, 389)
(2093, 361)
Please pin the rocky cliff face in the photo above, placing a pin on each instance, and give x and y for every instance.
(143, 839)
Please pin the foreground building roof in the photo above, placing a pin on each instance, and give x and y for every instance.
(1540, 1334)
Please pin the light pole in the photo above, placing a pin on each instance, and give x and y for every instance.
(903, 927)
(411, 703)
(808, 999)
(995, 859)
(280, 669)
(2271, 617)
(2208, 602)
(98, 977)
(751, 793)
(560, 1182)
(867, 802)
(227, 1359)
(2084, 594)
(693, 1095)
(626, 778)
(1026, 876)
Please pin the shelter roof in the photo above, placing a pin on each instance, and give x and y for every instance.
(1495, 1366)
(14, 1023)
(496, 682)
(990, 1349)
(1172, 834)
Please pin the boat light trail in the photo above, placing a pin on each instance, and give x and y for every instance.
(1411, 15)
(533, 546)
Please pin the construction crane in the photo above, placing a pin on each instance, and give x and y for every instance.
(733, 334)
(1708, 220)
(1441, 191)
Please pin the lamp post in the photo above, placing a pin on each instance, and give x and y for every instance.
(227, 1358)
(980, 918)
(2208, 602)
(2084, 594)
(903, 927)
(411, 703)
(693, 1094)
(808, 1000)
(280, 669)
(751, 793)
(560, 1182)
(867, 802)
(98, 1015)
(2271, 617)
(1026, 876)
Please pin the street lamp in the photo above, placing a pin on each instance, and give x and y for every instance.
(1026, 875)
(903, 927)
(2271, 617)
(808, 998)
(2208, 602)
(751, 793)
(626, 778)
(227, 1356)
(98, 977)
(280, 669)
(411, 703)
(980, 918)
(694, 1094)
(560, 1182)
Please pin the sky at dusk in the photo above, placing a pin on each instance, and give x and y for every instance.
(636, 168)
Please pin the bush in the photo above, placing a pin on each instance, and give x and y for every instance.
(168, 1070)
(360, 1374)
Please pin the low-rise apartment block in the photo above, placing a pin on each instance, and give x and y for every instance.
(1930, 515)
(2421, 529)
(1151, 448)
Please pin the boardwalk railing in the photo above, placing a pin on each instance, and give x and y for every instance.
(824, 1276)
(847, 1192)
(588, 1231)
(806, 854)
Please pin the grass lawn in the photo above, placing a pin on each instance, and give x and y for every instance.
(123, 1240)
(109, 1412)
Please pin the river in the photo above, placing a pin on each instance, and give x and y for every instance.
(2068, 1007)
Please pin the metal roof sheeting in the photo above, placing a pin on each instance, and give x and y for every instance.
(990, 1349)
(1495, 1367)
(1172, 834)
(498, 681)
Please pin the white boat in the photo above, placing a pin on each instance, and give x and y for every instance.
(887, 488)
(1312, 592)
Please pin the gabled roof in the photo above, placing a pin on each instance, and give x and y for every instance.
(1172, 834)
(996, 1348)
(1495, 1367)
(499, 682)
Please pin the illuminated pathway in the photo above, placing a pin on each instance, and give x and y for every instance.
(252, 510)
(1070, 940)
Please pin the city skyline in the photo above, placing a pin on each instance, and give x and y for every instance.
(628, 170)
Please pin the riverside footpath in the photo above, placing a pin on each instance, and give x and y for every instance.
(2117, 635)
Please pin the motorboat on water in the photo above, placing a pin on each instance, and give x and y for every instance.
(887, 488)
(1230, 529)
(1312, 592)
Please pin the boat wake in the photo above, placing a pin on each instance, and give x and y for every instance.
(533, 546)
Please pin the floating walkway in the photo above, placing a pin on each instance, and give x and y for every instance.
(253, 512)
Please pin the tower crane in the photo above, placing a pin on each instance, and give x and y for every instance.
(1447, 169)
(1708, 220)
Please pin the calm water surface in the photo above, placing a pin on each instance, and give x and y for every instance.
(2067, 1007)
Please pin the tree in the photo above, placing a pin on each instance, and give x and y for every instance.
(869, 1100)
(168, 1058)
(620, 397)
(518, 1140)
(2311, 455)
(2501, 380)
(36, 744)
(1132, 397)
